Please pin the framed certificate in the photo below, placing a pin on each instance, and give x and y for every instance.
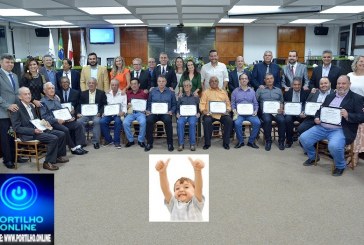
(138, 104)
(159, 108)
(63, 114)
(38, 124)
(111, 110)
(89, 109)
(271, 106)
(292, 108)
(331, 115)
(67, 105)
(188, 110)
(312, 107)
(218, 107)
(245, 109)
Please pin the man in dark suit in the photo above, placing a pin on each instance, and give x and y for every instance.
(235, 74)
(326, 70)
(142, 75)
(67, 94)
(55, 140)
(9, 86)
(73, 76)
(318, 96)
(294, 69)
(151, 71)
(92, 96)
(167, 71)
(351, 112)
(260, 69)
(295, 94)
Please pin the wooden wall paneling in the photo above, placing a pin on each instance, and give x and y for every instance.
(229, 42)
(76, 42)
(291, 38)
(134, 43)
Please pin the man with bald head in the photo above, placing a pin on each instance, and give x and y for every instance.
(235, 74)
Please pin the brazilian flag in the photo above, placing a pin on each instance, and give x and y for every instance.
(60, 51)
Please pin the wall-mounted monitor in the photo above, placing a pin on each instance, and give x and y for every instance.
(102, 36)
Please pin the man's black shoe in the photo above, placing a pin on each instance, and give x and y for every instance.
(78, 151)
(310, 162)
(129, 144)
(288, 145)
(268, 146)
(338, 172)
(170, 148)
(96, 145)
(22, 159)
(83, 150)
(148, 147)
(9, 165)
(281, 146)
(141, 144)
(238, 145)
(205, 147)
(253, 145)
(226, 146)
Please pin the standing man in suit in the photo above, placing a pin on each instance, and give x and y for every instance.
(92, 96)
(216, 69)
(328, 70)
(235, 74)
(140, 74)
(68, 94)
(48, 70)
(151, 71)
(318, 96)
(260, 69)
(55, 140)
(72, 75)
(294, 69)
(351, 113)
(96, 71)
(9, 86)
(295, 94)
(165, 70)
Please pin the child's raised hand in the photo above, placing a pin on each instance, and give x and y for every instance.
(162, 166)
(197, 164)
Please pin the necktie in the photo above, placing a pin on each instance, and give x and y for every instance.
(137, 74)
(267, 71)
(163, 70)
(67, 75)
(12, 80)
(292, 70)
(65, 97)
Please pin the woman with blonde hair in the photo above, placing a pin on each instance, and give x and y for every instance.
(121, 73)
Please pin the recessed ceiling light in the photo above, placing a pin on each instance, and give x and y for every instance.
(252, 9)
(237, 21)
(17, 12)
(309, 21)
(125, 21)
(106, 10)
(51, 23)
(198, 24)
(344, 10)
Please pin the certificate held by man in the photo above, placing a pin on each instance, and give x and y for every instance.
(159, 108)
(138, 104)
(67, 105)
(89, 109)
(217, 107)
(245, 109)
(271, 106)
(331, 115)
(312, 107)
(111, 110)
(292, 108)
(188, 110)
(62, 114)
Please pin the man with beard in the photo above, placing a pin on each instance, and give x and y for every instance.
(96, 71)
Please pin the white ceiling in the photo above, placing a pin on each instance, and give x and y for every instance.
(174, 12)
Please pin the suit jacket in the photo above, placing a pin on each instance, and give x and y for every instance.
(313, 97)
(100, 99)
(170, 75)
(20, 121)
(334, 73)
(289, 94)
(7, 94)
(353, 104)
(102, 78)
(234, 80)
(75, 79)
(73, 97)
(144, 78)
(259, 71)
(301, 71)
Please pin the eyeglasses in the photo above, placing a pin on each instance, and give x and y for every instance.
(136, 64)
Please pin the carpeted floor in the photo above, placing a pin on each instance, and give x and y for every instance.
(256, 197)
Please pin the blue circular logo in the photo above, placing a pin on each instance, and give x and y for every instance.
(18, 193)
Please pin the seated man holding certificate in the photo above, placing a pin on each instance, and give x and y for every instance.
(294, 100)
(245, 107)
(161, 105)
(69, 97)
(61, 119)
(271, 101)
(113, 111)
(91, 108)
(313, 103)
(337, 121)
(137, 103)
(215, 106)
(187, 111)
(28, 127)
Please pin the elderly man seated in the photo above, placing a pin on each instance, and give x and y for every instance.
(214, 93)
(51, 102)
(55, 140)
(339, 134)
